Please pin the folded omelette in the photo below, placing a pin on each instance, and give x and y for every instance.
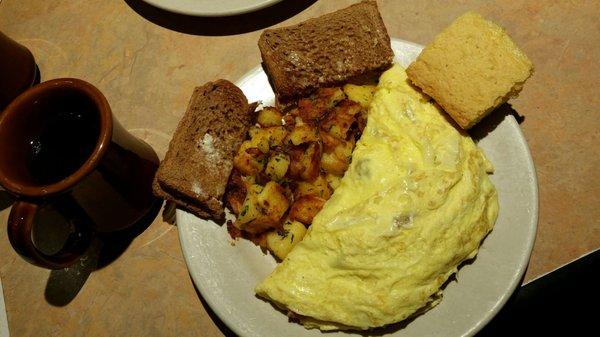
(414, 204)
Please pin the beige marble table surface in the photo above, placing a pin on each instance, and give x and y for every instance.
(147, 63)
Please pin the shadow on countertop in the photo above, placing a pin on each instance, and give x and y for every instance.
(220, 26)
(63, 285)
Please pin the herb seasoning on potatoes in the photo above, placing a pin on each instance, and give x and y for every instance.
(291, 164)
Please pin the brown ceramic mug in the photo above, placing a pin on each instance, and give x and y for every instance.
(17, 70)
(60, 145)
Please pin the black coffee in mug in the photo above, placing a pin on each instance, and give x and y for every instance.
(66, 140)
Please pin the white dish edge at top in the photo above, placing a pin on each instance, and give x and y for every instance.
(211, 7)
(226, 274)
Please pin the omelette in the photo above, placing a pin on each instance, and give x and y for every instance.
(415, 203)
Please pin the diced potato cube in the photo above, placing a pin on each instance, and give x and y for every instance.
(253, 131)
(319, 188)
(277, 166)
(302, 133)
(344, 150)
(329, 97)
(305, 161)
(249, 212)
(250, 161)
(273, 201)
(289, 120)
(362, 94)
(263, 208)
(267, 138)
(333, 180)
(296, 167)
(311, 162)
(245, 146)
(361, 119)
(337, 123)
(236, 191)
(260, 140)
(269, 116)
(348, 107)
(337, 162)
(305, 208)
(331, 164)
(276, 135)
(248, 181)
(280, 244)
(309, 110)
(329, 141)
(287, 190)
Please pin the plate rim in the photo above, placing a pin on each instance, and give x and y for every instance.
(500, 302)
(195, 11)
(524, 263)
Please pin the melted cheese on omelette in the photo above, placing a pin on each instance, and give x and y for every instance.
(414, 204)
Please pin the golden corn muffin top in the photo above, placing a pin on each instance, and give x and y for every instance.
(470, 68)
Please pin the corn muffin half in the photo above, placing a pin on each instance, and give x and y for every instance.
(470, 68)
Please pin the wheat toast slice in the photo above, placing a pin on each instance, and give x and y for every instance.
(199, 160)
(326, 51)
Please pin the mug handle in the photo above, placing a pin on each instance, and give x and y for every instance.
(20, 225)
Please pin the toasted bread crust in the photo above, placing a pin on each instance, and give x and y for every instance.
(186, 206)
(199, 161)
(326, 51)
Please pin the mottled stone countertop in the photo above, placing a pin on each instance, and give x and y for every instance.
(147, 63)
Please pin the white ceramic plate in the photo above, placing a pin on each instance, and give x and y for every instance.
(226, 275)
(211, 7)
